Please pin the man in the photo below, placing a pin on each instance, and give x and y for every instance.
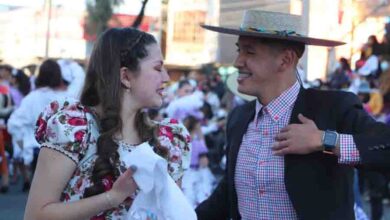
(290, 151)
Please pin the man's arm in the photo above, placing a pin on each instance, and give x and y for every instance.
(369, 145)
(372, 138)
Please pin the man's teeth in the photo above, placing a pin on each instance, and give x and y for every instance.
(244, 75)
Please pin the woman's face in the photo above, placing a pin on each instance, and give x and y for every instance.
(148, 87)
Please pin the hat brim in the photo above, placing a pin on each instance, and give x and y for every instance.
(232, 85)
(300, 39)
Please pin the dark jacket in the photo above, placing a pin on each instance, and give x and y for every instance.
(318, 187)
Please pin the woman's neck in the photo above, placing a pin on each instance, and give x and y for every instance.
(129, 133)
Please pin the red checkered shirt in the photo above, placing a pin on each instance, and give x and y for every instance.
(259, 177)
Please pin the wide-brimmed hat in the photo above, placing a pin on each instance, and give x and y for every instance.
(273, 25)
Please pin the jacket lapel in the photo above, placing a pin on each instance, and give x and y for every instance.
(241, 121)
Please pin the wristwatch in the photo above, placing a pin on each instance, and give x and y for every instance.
(329, 141)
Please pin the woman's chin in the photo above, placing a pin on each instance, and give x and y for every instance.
(157, 103)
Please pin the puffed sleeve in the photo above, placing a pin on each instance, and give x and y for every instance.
(175, 137)
(64, 128)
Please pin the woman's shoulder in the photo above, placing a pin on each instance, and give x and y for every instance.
(64, 126)
(60, 119)
(69, 106)
(172, 127)
(176, 138)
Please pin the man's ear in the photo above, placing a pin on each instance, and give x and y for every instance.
(125, 77)
(288, 58)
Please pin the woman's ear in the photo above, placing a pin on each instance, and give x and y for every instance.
(125, 77)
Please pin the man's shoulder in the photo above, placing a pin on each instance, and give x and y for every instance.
(329, 96)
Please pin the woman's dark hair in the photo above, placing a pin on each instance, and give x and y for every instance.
(23, 82)
(190, 123)
(183, 83)
(49, 75)
(115, 48)
(344, 64)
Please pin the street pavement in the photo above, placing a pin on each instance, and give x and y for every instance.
(13, 203)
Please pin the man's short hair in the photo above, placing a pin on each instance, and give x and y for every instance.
(297, 47)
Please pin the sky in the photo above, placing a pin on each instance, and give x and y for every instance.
(22, 2)
(128, 6)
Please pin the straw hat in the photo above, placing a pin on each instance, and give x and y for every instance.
(274, 25)
(232, 85)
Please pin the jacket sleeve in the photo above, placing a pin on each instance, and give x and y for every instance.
(372, 138)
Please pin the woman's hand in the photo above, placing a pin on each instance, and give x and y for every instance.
(123, 187)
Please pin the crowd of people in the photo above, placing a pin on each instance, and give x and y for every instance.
(369, 79)
(23, 99)
(83, 126)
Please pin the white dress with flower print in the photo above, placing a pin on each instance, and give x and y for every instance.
(71, 128)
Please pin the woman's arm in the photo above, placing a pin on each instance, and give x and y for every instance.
(52, 174)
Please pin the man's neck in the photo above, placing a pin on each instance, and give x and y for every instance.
(272, 91)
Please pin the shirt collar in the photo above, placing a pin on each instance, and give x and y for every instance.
(277, 107)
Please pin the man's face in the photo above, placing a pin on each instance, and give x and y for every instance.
(257, 64)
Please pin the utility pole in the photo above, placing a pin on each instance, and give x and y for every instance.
(48, 5)
(164, 26)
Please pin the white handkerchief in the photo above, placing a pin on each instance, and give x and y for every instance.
(158, 194)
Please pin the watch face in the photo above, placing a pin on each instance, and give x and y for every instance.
(330, 138)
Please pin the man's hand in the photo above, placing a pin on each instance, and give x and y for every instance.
(302, 138)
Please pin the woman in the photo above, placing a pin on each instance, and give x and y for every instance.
(80, 172)
(19, 87)
(21, 124)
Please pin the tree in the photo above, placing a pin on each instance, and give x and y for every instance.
(140, 16)
(99, 13)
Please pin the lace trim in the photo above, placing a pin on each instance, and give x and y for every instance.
(61, 150)
(125, 145)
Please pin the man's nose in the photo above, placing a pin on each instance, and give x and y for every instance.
(239, 61)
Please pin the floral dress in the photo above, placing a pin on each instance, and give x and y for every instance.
(71, 128)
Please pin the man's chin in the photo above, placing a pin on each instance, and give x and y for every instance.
(245, 92)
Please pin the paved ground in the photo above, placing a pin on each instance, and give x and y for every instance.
(13, 203)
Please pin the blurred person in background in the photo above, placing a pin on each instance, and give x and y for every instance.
(19, 88)
(198, 180)
(372, 50)
(81, 171)
(187, 101)
(210, 96)
(21, 124)
(73, 75)
(6, 107)
(340, 78)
